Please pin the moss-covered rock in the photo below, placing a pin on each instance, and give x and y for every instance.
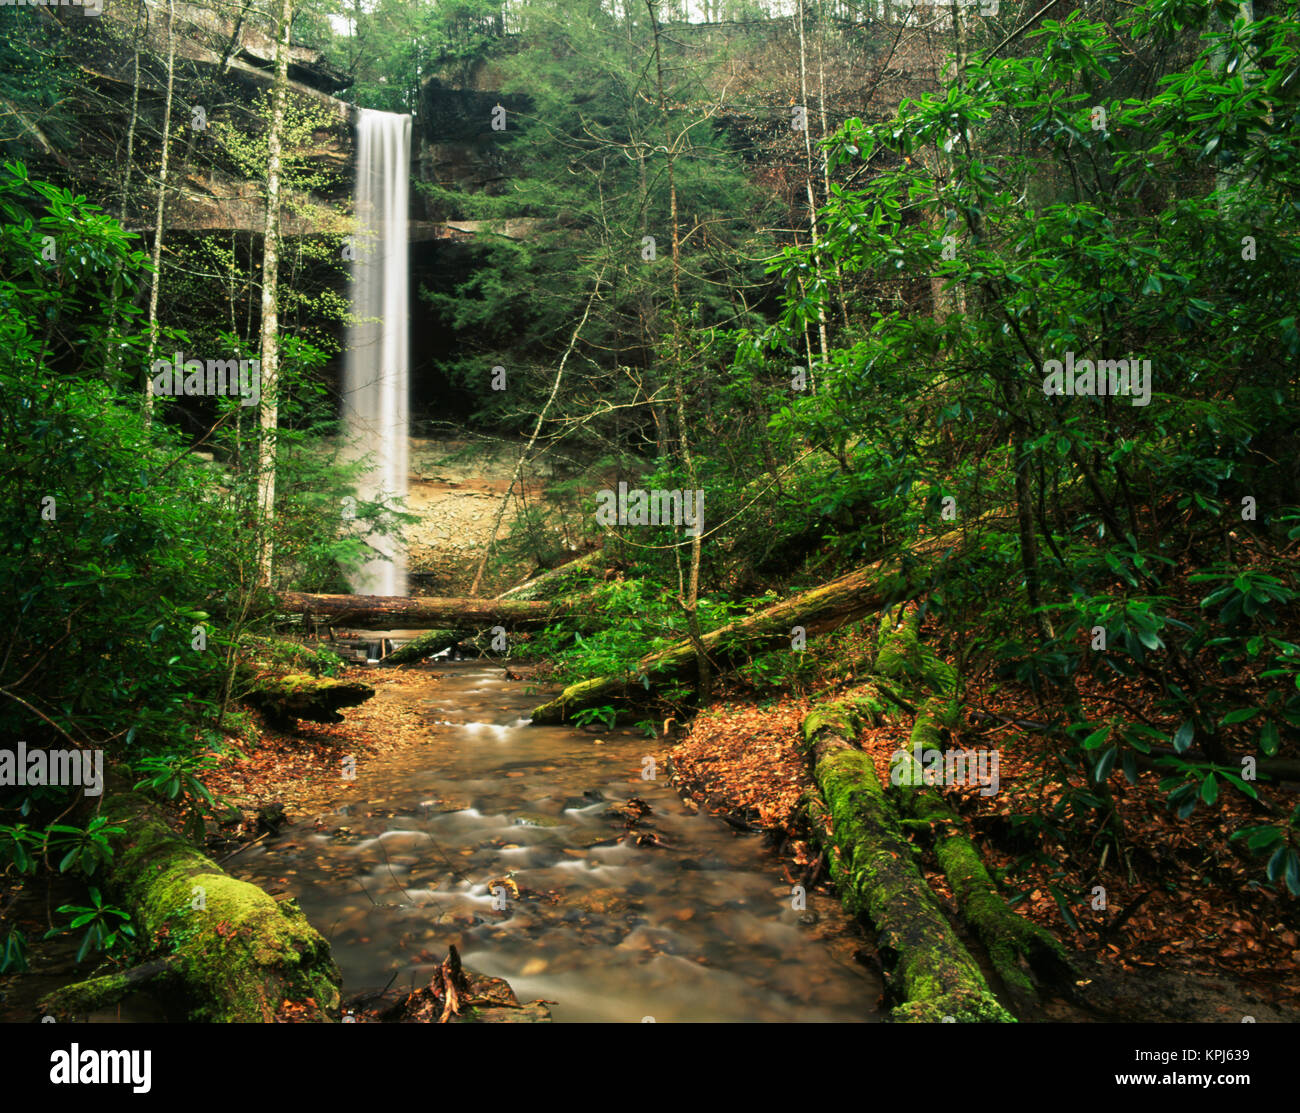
(301, 696)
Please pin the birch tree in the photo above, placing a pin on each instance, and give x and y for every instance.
(161, 206)
(270, 350)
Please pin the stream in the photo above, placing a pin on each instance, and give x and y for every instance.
(700, 928)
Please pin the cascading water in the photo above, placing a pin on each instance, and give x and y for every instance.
(375, 400)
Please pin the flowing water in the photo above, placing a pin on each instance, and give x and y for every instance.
(375, 396)
(701, 928)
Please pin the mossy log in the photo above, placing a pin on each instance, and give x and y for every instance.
(259, 653)
(556, 583)
(233, 952)
(1016, 946)
(282, 699)
(398, 612)
(827, 607)
(426, 645)
(83, 998)
(872, 864)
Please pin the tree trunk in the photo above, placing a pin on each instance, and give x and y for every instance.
(1012, 941)
(813, 231)
(827, 607)
(394, 612)
(236, 954)
(688, 592)
(872, 865)
(270, 349)
(161, 208)
(111, 352)
(426, 645)
(561, 580)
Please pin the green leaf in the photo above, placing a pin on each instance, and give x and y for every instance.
(1183, 737)
(1261, 838)
(1096, 738)
(1276, 862)
(87, 941)
(1268, 739)
(1210, 789)
(1065, 908)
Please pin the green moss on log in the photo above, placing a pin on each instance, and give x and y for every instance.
(83, 998)
(873, 868)
(900, 654)
(866, 706)
(240, 955)
(1009, 938)
(426, 645)
(1015, 945)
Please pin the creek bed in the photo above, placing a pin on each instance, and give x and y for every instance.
(700, 927)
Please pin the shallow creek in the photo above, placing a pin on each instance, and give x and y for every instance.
(701, 928)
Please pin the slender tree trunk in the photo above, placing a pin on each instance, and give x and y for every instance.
(688, 594)
(1225, 180)
(270, 349)
(112, 359)
(826, 167)
(162, 202)
(808, 186)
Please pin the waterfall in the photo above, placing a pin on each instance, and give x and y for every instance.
(375, 400)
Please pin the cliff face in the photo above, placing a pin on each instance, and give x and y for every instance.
(223, 72)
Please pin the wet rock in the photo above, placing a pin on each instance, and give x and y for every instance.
(532, 819)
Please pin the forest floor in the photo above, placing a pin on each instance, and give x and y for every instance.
(1187, 933)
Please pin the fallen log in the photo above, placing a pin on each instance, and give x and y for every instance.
(872, 864)
(232, 953)
(426, 645)
(83, 998)
(555, 583)
(827, 607)
(1016, 946)
(396, 612)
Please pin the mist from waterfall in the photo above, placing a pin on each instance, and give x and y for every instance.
(375, 396)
